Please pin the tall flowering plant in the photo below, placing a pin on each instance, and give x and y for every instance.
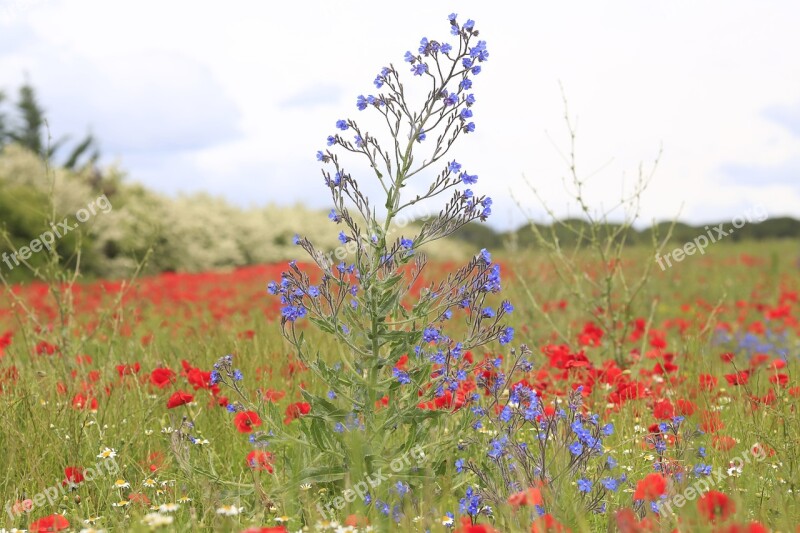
(398, 351)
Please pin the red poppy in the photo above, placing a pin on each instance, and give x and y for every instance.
(723, 442)
(708, 382)
(532, 496)
(685, 407)
(54, 522)
(296, 410)
(547, 524)
(162, 377)
(779, 379)
(179, 398)
(273, 529)
(711, 422)
(246, 421)
(627, 522)
(73, 475)
(79, 401)
(663, 410)
(468, 527)
(127, 370)
(273, 395)
(260, 460)
(651, 487)
(739, 378)
(714, 504)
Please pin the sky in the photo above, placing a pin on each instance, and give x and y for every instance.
(235, 99)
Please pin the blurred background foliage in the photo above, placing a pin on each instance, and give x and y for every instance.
(43, 180)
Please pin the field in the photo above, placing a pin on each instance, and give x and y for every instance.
(112, 419)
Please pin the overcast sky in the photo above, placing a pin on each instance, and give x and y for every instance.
(236, 98)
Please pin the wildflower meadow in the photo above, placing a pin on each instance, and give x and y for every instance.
(573, 382)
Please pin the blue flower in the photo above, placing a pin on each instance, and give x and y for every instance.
(507, 336)
(406, 243)
(452, 17)
(334, 216)
(331, 140)
(450, 99)
(469, 25)
(479, 51)
(576, 448)
(469, 128)
(459, 465)
(446, 48)
(465, 113)
(409, 57)
(402, 377)
(469, 180)
(584, 485)
(488, 312)
(342, 124)
(507, 307)
(607, 430)
(465, 84)
(430, 334)
(610, 483)
(419, 69)
(237, 375)
(342, 237)
(313, 291)
(506, 414)
(470, 99)
(484, 253)
(361, 104)
(476, 70)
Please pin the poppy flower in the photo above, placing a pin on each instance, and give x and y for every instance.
(779, 379)
(715, 505)
(73, 475)
(468, 527)
(708, 382)
(651, 487)
(54, 522)
(246, 421)
(179, 398)
(162, 377)
(79, 401)
(296, 410)
(663, 410)
(739, 378)
(273, 395)
(127, 369)
(273, 529)
(547, 524)
(531, 497)
(260, 460)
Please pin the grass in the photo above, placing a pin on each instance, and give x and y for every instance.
(737, 298)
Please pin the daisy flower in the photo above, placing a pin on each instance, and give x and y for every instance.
(229, 510)
(121, 484)
(107, 453)
(168, 507)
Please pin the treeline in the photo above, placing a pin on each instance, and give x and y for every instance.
(574, 231)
